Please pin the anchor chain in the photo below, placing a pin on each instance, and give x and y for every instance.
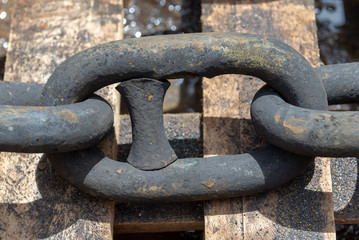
(290, 112)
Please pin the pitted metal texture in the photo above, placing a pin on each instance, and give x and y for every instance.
(160, 57)
(291, 112)
(27, 127)
(313, 133)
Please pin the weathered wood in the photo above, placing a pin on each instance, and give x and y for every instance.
(5, 26)
(184, 134)
(35, 202)
(303, 209)
(164, 217)
(345, 179)
(160, 236)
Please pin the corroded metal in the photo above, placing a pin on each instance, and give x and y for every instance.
(341, 82)
(188, 179)
(308, 132)
(150, 148)
(160, 57)
(34, 129)
(174, 56)
(19, 93)
(166, 178)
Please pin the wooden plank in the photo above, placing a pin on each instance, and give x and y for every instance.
(184, 134)
(164, 217)
(302, 209)
(35, 202)
(5, 27)
(345, 179)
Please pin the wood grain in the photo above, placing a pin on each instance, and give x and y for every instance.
(164, 217)
(303, 209)
(345, 179)
(35, 202)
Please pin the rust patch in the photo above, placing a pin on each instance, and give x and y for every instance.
(295, 125)
(150, 96)
(277, 118)
(68, 116)
(155, 188)
(209, 184)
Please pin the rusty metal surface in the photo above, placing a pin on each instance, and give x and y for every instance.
(150, 148)
(186, 179)
(174, 56)
(190, 179)
(182, 130)
(199, 54)
(19, 93)
(33, 129)
(308, 132)
(341, 82)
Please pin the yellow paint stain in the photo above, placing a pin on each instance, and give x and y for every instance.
(277, 118)
(295, 125)
(154, 188)
(14, 112)
(209, 184)
(150, 97)
(68, 116)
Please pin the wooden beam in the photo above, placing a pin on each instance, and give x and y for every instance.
(35, 202)
(345, 179)
(164, 217)
(303, 209)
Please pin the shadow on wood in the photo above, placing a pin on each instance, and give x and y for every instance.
(50, 217)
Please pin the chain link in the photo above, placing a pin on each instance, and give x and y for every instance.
(301, 126)
(34, 129)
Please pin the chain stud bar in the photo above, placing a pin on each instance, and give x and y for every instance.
(150, 148)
